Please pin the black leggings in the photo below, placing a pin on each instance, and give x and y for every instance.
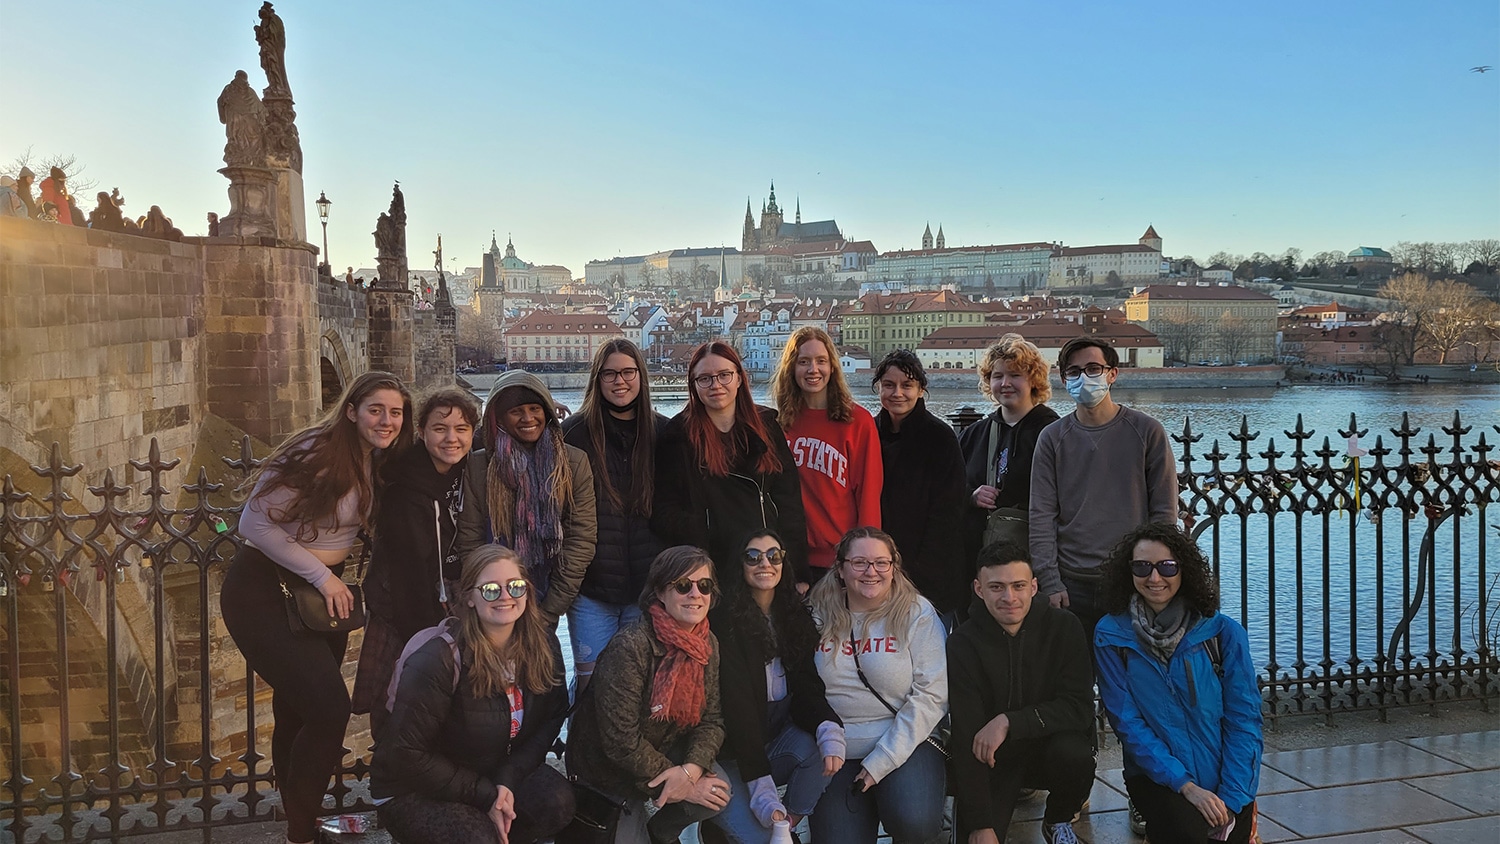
(1173, 819)
(544, 805)
(309, 699)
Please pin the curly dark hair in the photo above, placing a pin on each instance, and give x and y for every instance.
(1200, 588)
(795, 635)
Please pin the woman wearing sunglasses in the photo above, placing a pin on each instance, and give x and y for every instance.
(1177, 680)
(617, 429)
(462, 757)
(649, 727)
(724, 469)
(882, 658)
(779, 728)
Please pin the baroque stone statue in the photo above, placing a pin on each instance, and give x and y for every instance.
(390, 239)
(271, 35)
(244, 119)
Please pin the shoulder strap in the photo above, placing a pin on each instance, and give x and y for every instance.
(994, 446)
(854, 651)
(1215, 655)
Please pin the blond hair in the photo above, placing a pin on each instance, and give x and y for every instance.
(831, 608)
(1023, 355)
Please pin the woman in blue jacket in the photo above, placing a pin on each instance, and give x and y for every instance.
(1180, 689)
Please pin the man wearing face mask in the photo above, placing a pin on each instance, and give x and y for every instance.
(1099, 472)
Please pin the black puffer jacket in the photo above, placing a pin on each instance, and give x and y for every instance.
(626, 543)
(452, 746)
(693, 507)
(413, 532)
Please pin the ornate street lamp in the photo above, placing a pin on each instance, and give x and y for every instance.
(323, 204)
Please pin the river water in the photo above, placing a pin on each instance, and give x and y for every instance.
(1325, 587)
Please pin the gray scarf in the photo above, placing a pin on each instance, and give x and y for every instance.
(1161, 632)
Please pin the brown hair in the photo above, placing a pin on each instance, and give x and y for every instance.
(789, 398)
(595, 411)
(672, 565)
(322, 463)
(448, 398)
(1024, 356)
(527, 659)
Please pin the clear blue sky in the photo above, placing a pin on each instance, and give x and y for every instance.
(591, 130)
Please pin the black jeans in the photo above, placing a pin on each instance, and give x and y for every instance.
(1082, 602)
(544, 805)
(1062, 763)
(309, 699)
(1172, 819)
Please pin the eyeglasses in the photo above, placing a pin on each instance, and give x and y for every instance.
(706, 586)
(515, 587)
(860, 564)
(754, 556)
(1092, 370)
(1165, 568)
(628, 375)
(706, 381)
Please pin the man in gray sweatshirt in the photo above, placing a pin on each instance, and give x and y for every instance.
(1098, 472)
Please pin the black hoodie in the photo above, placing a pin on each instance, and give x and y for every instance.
(1016, 490)
(1041, 678)
(418, 519)
(924, 505)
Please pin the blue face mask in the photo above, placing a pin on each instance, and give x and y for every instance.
(1088, 390)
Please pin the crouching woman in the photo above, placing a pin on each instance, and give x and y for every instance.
(649, 725)
(461, 758)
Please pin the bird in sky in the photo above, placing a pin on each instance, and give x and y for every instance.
(1484, 68)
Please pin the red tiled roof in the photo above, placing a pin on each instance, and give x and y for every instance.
(1004, 247)
(1193, 292)
(1105, 250)
(545, 322)
(1047, 334)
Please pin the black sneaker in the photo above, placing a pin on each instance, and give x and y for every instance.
(1137, 823)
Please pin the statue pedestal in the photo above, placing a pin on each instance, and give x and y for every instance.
(290, 211)
(251, 193)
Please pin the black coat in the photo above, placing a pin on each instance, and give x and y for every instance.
(626, 544)
(742, 691)
(923, 504)
(693, 507)
(452, 746)
(413, 531)
(1041, 678)
(975, 444)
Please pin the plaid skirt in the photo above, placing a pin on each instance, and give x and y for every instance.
(377, 662)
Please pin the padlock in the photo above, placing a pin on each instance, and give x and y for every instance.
(47, 585)
(146, 562)
(120, 575)
(220, 526)
(4, 589)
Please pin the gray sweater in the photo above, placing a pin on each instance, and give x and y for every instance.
(1090, 486)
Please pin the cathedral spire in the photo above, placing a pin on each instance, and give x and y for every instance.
(771, 205)
(927, 237)
(941, 241)
(799, 209)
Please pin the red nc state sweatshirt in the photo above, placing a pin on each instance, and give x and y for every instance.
(841, 471)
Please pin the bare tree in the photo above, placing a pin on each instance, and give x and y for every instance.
(41, 165)
(1182, 333)
(1234, 336)
(1408, 310)
(478, 335)
(649, 274)
(1457, 311)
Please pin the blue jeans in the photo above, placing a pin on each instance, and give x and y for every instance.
(908, 803)
(591, 624)
(795, 763)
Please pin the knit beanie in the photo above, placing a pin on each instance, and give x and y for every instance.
(515, 397)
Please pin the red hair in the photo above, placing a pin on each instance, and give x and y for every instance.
(705, 438)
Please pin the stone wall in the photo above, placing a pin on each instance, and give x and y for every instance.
(433, 348)
(344, 321)
(100, 346)
(391, 332)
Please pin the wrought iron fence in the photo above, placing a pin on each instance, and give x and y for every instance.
(1362, 577)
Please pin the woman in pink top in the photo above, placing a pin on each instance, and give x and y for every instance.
(834, 441)
(309, 500)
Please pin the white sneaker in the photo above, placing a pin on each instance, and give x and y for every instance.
(781, 832)
(1058, 833)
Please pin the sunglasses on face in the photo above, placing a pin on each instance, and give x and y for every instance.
(705, 586)
(515, 587)
(1165, 568)
(755, 556)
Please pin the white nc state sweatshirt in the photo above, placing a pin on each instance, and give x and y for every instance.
(909, 667)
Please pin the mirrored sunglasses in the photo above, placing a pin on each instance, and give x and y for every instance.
(515, 587)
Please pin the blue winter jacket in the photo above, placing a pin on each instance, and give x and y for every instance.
(1180, 722)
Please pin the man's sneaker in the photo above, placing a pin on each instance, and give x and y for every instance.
(1058, 833)
(1137, 823)
(1081, 809)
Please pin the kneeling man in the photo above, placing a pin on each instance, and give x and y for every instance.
(1020, 685)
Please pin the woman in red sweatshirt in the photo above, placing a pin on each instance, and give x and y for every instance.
(833, 440)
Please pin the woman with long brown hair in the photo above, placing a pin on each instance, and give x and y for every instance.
(617, 429)
(308, 502)
(833, 441)
(463, 755)
(723, 468)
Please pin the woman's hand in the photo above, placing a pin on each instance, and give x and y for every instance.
(832, 764)
(503, 812)
(336, 595)
(985, 496)
(712, 792)
(1208, 805)
(864, 782)
(676, 783)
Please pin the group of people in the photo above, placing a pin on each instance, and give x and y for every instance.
(773, 614)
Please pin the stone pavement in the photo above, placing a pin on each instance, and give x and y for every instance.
(1423, 776)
